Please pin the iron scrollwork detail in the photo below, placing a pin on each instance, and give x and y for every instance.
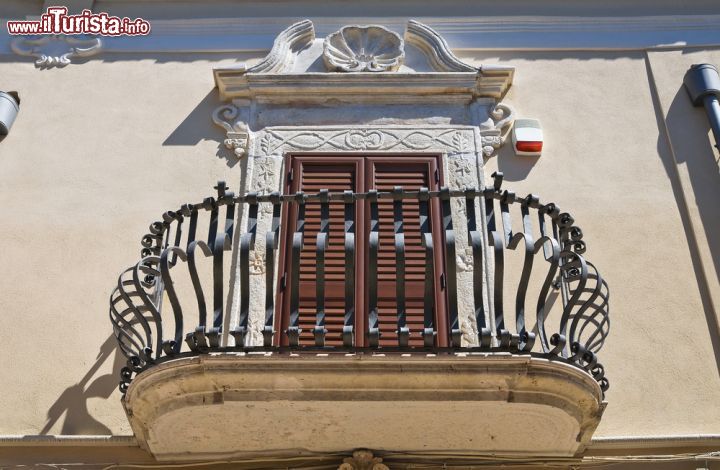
(145, 301)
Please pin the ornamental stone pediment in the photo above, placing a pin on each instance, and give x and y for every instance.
(361, 63)
(362, 88)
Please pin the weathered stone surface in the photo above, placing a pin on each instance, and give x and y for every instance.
(230, 405)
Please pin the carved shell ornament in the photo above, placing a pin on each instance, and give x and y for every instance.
(363, 49)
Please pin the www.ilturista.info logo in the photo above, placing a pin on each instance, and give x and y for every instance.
(57, 21)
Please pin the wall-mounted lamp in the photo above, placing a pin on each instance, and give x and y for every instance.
(527, 137)
(702, 83)
(9, 107)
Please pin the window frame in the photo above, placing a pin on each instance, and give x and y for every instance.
(364, 167)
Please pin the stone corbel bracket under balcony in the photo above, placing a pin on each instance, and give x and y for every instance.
(367, 76)
(427, 405)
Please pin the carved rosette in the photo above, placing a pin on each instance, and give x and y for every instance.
(229, 117)
(363, 460)
(363, 49)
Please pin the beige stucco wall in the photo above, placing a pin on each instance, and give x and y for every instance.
(102, 148)
(98, 152)
(606, 161)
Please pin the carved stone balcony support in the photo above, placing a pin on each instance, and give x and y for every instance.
(226, 405)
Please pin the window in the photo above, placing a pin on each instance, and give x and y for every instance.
(311, 174)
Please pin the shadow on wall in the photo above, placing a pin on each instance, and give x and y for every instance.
(73, 402)
(688, 129)
(198, 126)
(513, 167)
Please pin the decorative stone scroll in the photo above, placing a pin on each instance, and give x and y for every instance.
(234, 121)
(55, 50)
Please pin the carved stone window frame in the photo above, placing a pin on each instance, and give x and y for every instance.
(453, 108)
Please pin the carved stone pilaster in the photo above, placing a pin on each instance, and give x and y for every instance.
(233, 120)
(363, 460)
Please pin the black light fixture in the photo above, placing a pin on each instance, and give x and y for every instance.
(9, 107)
(702, 83)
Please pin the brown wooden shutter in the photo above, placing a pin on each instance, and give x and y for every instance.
(336, 178)
(411, 177)
(311, 174)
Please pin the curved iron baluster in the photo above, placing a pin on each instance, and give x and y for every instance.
(196, 340)
(130, 340)
(293, 331)
(221, 241)
(450, 268)
(146, 267)
(247, 242)
(349, 319)
(573, 267)
(541, 314)
(403, 332)
(373, 248)
(428, 332)
(526, 338)
(321, 245)
(169, 217)
(551, 251)
(598, 290)
(507, 338)
(475, 242)
(271, 244)
(213, 333)
(172, 347)
(497, 242)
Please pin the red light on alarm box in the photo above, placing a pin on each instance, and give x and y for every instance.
(529, 146)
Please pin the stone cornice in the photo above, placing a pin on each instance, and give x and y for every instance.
(256, 34)
(396, 88)
(444, 78)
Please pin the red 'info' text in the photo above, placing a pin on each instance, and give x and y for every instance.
(57, 21)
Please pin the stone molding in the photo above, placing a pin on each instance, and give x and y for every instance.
(297, 37)
(55, 50)
(435, 48)
(530, 406)
(656, 30)
(391, 138)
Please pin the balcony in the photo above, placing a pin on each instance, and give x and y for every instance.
(500, 356)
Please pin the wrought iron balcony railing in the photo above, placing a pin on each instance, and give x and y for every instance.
(146, 302)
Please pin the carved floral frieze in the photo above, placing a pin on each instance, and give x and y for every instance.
(454, 140)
